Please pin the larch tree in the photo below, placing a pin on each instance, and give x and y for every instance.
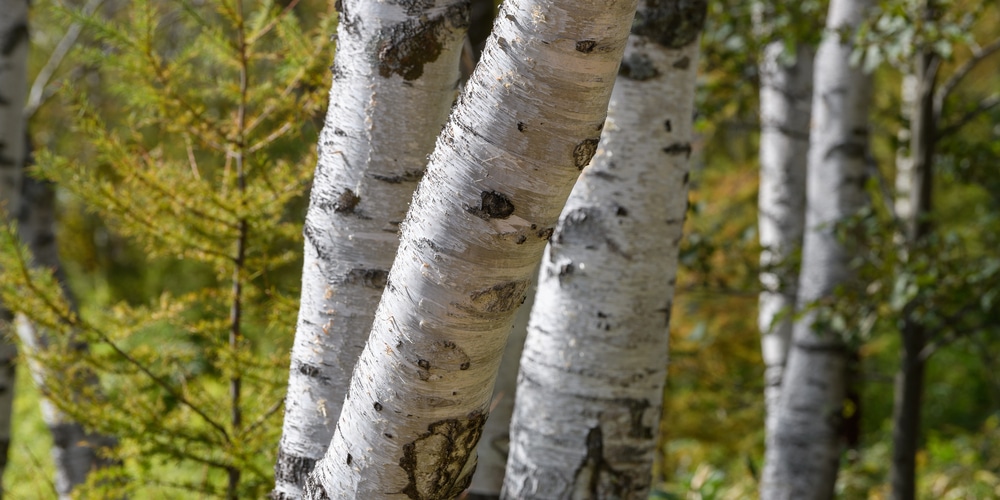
(13, 92)
(803, 452)
(785, 109)
(526, 124)
(590, 389)
(395, 73)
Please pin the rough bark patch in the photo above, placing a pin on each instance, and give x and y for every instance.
(671, 23)
(408, 176)
(312, 371)
(314, 490)
(679, 148)
(581, 226)
(346, 202)
(584, 151)
(292, 469)
(493, 205)
(638, 67)
(586, 46)
(369, 278)
(499, 298)
(406, 47)
(436, 463)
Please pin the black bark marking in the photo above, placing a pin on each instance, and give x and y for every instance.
(668, 126)
(499, 298)
(520, 239)
(596, 476)
(423, 363)
(368, 278)
(409, 176)
(521, 126)
(292, 469)
(682, 63)
(378, 406)
(679, 148)
(584, 151)
(493, 205)
(387, 435)
(314, 490)
(687, 177)
(349, 459)
(339, 132)
(346, 202)
(673, 24)
(585, 46)
(414, 7)
(638, 67)
(580, 226)
(440, 462)
(636, 410)
(621, 211)
(14, 37)
(546, 233)
(312, 371)
(464, 366)
(405, 48)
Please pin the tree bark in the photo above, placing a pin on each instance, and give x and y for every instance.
(13, 92)
(803, 453)
(395, 73)
(913, 205)
(785, 112)
(590, 391)
(527, 123)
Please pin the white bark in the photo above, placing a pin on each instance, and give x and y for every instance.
(494, 445)
(803, 452)
(590, 389)
(395, 73)
(13, 91)
(785, 103)
(526, 124)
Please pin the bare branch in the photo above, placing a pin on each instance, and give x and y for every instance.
(985, 105)
(37, 95)
(978, 54)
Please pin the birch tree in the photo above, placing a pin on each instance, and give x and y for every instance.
(803, 452)
(785, 104)
(528, 121)
(395, 72)
(13, 91)
(594, 365)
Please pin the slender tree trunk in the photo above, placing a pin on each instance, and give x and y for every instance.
(494, 446)
(803, 452)
(785, 105)
(590, 391)
(75, 452)
(913, 204)
(13, 92)
(528, 121)
(395, 73)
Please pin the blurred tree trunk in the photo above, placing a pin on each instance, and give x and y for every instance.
(785, 104)
(803, 453)
(590, 392)
(395, 74)
(13, 92)
(75, 452)
(501, 171)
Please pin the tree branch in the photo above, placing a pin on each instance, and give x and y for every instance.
(984, 105)
(978, 54)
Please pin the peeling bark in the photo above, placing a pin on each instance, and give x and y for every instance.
(804, 450)
(395, 73)
(590, 390)
(459, 277)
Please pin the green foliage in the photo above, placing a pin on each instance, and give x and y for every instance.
(192, 146)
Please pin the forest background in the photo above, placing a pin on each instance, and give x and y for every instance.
(158, 77)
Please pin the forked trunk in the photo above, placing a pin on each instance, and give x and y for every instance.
(528, 121)
(395, 74)
(804, 450)
(590, 390)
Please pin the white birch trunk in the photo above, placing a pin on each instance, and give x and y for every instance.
(803, 453)
(395, 74)
(495, 443)
(528, 121)
(13, 91)
(590, 390)
(74, 450)
(785, 104)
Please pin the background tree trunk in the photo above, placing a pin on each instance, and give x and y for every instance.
(785, 109)
(502, 169)
(803, 453)
(590, 390)
(395, 74)
(13, 92)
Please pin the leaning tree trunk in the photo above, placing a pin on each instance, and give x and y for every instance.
(803, 452)
(590, 391)
(528, 121)
(13, 91)
(75, 452)
(914, 176)
(785, 104)
(395, 73)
